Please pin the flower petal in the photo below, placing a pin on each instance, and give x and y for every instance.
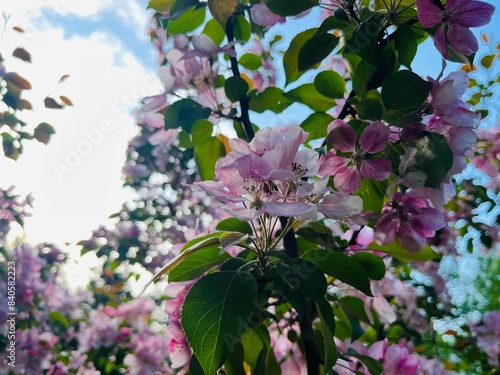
(378, 169)
(429, 14)
(440, 42)
(347, 180)
(470, 13)
(299, 210)
(342, 136)
(375, 137)
(339, 206)
(462, 39)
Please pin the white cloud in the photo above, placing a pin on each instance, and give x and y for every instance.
(76, 178)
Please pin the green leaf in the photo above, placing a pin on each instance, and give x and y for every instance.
(221, 10)
(272, 99)
(404, 90)
(406, 45)
(308, 95)
(305, 277)
(184, 113)
(43, 132)
(290, 7)
(487, 60)
(372, 264)
(161, 5)
(316, 125)
(189, 20)
(373, 194)
(242, 30)
(250, 61)
(361, 78)
(364, 41)
(235, 225)
(330, 84)
(291, 56)
(374, 366)
(214, 31)
(201, 131)
(434, 158)
(228, 239)
(197, 263)
(215, 314)
(396, 250)
(370, 109)
(56, 316)
(189, 248)
(315, 50)
(355, 307)
(206, 155)
(327, 319)
(342, 267)
(236, 88)
(334, 22)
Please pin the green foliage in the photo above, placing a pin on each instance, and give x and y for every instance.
(290, 7)
(214, 325)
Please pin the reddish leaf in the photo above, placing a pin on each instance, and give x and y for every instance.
(65, 100)
(51, 103)
(22, 54)
(17, 80)
(26, 104)
(43, 132)
(63, 78)
(18, 29)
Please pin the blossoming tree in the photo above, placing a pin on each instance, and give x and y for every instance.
(292, 249)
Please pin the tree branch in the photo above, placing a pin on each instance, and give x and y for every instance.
(244, 102)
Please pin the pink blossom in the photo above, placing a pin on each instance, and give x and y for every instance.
(398, 360)
(411, 218)
(204, 46)
(347, 170)
(177, 345)
(261, 15)
(267, 176)
(454, 19)
(488, 336)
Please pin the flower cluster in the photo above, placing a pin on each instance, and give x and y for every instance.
(454, 19)
(270, 176)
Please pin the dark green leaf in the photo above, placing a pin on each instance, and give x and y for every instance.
(406, 45)
(370, 109)
(291, 56)
(206, 155)
(161, 5)
(333, 22)
(184, 113)
(327, 319)
(330, 84)
(242, 31)
(272, 99)
(290, 7)
(315, 50)
(404, 90)
(316, 125)
(215, 314)
(342, 267)
(305, 277)
(434, 158)
(235, 225)
(307, 94)
(364, 41)
(236, 88)
(372, 264)
(361, 78)
(197, 263)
